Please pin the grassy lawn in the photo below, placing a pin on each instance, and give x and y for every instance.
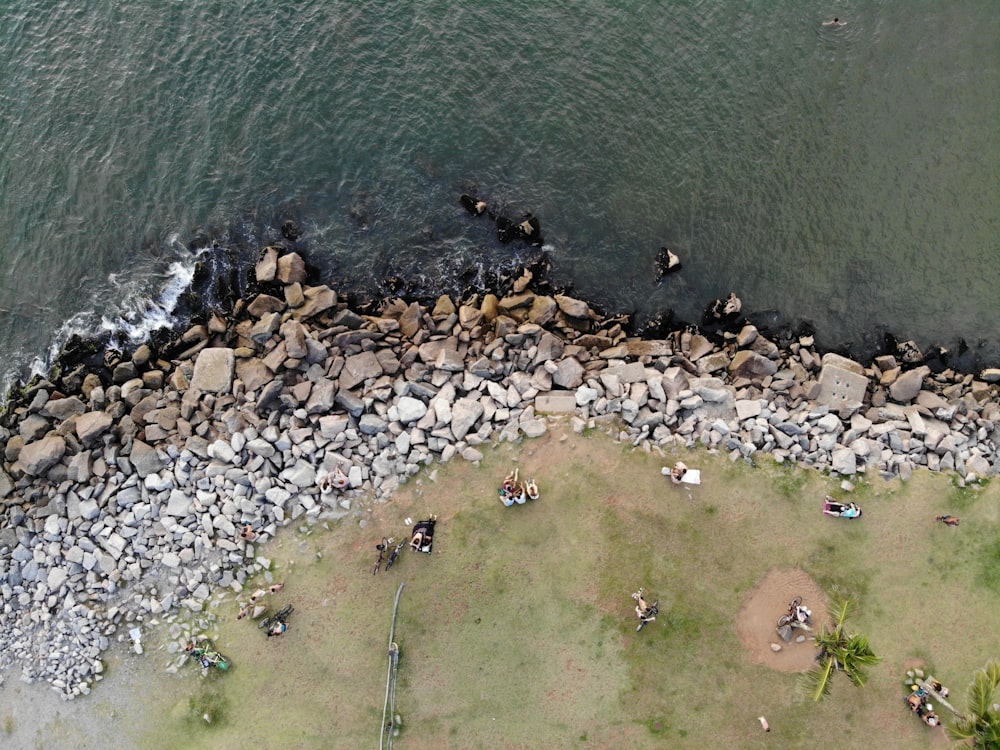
(519, 631)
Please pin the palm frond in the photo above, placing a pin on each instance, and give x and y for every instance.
(841, 609)
(860, 649)
(961, 731)
(819, 679)
(992, 670)
(827, 641)
(982, 723)
(980, 696)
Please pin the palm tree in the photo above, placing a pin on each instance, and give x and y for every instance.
(839, 651)
(980, 728)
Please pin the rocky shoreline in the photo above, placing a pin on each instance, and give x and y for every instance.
(128, 479)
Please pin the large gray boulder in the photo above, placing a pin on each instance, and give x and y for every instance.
(574, 308)
(264, 304)
(267, 266)
(751, 365)
(295, 339)
(213, 370)
(254, 373)
(144, 459)
(906, 387)
(358, 369)
(63, 408)
(92, 425)
(291, 269)
(844, 461)
(38, 457)
(569, 374)
(318, 299)
(410, 409)
(464, 414)
(263, 328)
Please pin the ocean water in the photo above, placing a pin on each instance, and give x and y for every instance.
(848, 178)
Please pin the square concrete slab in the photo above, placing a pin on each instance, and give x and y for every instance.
(840, 387)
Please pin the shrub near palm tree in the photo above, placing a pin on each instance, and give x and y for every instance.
(840, 652)
(980, 728)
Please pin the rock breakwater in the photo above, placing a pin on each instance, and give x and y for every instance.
(127, 485)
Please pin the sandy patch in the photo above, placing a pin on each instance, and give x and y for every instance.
(765, 603)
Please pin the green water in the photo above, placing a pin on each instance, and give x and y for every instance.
(847, 177)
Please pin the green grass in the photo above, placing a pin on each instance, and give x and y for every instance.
(519, 631)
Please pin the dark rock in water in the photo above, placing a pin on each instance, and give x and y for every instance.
(724, 311)
(393, 285)
(79, 350)
(506, 230)
(909, 353)
(659, 326)
(112, 357)
(666, 262)
(965, 359)
(290, 231)
(540, 268)
(72, 381)
(475, 206)
(201, 274)
(529, 230)
(937, 358)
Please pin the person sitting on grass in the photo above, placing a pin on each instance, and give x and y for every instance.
(520, 494)
(423, 535)
(509, 483)
(677, 473)
(418, 540)
(532, 489)
(278, 628)
(938, 688)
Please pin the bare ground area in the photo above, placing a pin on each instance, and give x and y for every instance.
(757, 620)
(519, 630)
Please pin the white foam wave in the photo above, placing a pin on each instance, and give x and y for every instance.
(132, 320)
(140, 316)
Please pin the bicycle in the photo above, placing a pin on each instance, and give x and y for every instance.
(280, 618)
(797, 615)
(789, 617)
(797, 618)
(646, 612)
(382, 547)
(394, 555)
(207, 655)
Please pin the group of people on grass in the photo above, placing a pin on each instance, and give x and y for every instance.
(920, 704)
(421, 540)
(277, 625)
(512, 491)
